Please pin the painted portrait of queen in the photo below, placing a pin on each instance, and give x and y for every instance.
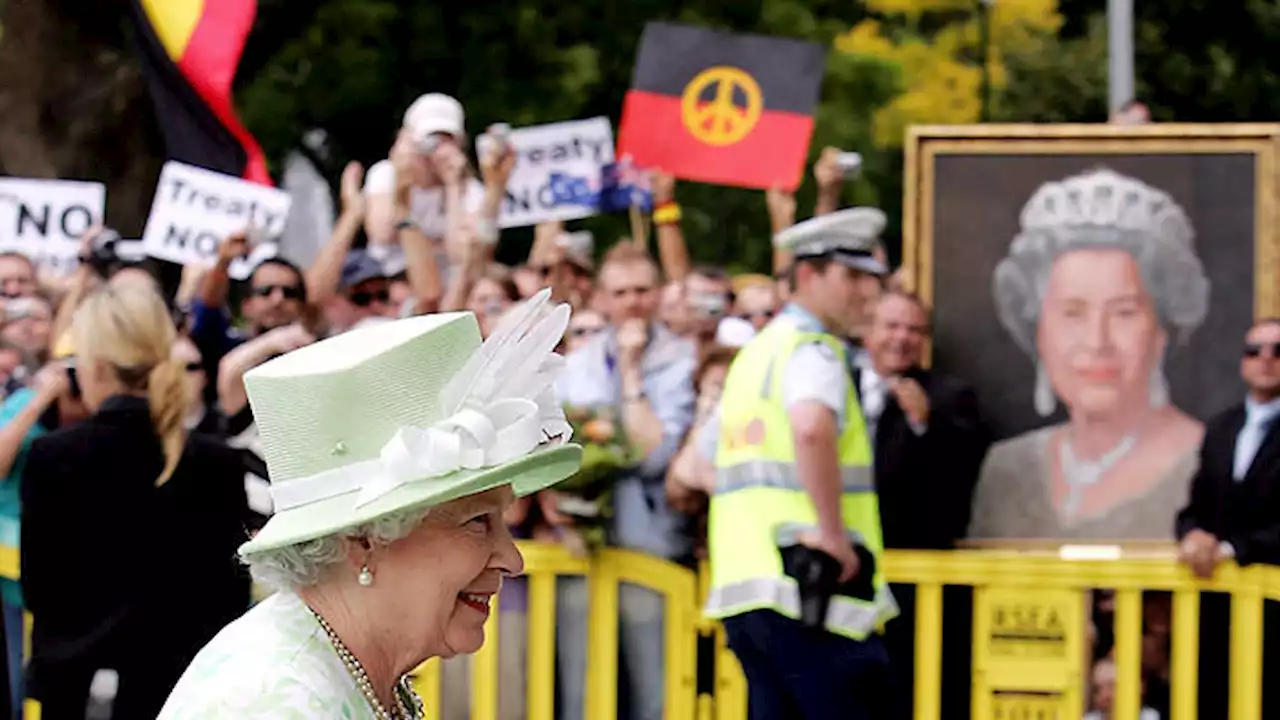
(1100, 285)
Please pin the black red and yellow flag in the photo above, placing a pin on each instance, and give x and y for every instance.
(190, 50)
(722, 108)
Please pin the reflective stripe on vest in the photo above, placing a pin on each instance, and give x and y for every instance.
(783, 476)
(845, 616)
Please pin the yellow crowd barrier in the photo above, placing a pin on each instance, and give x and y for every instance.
(1030, 618)
(1030, 633)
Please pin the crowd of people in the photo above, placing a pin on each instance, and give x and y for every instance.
(135, 466)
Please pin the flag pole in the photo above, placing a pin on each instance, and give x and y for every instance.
(1120, 82)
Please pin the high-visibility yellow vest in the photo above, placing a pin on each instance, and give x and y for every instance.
(758, 498)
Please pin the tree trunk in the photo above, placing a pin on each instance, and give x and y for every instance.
(73, 104)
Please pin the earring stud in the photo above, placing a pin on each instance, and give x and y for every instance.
(366, 577)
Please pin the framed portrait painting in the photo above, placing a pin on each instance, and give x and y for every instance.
(1093, 283)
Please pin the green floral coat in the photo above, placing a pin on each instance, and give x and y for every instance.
(274, 662)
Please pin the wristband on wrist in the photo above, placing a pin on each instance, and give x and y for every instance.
(406, 224)
(667, 213)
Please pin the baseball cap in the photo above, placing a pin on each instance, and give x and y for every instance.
(434, 113)
(359, 267)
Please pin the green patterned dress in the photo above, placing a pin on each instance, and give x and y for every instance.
(274, 662)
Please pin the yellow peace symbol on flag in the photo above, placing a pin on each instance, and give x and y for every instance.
(719, 120)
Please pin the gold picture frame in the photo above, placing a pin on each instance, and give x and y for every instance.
(927, 142)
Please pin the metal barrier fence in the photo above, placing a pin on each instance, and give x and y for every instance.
(1030, 620)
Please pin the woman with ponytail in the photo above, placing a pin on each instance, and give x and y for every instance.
(130, 526)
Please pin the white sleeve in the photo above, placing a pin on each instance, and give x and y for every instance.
(380, 178)
(815, 373)
(473, 199)
(708, 438)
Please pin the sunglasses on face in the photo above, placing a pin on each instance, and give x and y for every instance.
(1254, 350)
(365, 298)
(583, 331)
(289, 292)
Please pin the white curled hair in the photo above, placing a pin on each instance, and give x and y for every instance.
(1102, 209)
(303, 564)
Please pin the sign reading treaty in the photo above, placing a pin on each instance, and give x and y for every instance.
(722, 108)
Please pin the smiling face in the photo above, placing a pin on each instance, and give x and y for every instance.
(440, 580)
(1099, 337)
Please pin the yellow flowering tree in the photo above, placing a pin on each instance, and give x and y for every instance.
(938, 47)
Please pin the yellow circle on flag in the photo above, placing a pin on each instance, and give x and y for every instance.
(720, 119)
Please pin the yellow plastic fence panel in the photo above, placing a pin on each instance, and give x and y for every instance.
(603, 571)
(1027, 652)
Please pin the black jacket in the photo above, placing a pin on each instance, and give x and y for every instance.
(119, 573)
(925, 482)
(1245, 513)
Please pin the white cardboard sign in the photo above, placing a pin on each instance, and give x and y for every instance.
(44, 219)
(195, 209)
(554, 162)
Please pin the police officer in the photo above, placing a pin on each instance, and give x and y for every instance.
(793, 470)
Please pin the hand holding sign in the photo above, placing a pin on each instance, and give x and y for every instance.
(194, 209)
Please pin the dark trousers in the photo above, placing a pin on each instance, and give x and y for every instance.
(799, 673)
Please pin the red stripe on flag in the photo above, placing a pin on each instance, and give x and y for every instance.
(209, 63)
(773, 153)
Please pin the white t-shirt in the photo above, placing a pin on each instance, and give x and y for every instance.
(426, 205)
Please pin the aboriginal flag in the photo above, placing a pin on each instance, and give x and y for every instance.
(190, 50)
(722, 108)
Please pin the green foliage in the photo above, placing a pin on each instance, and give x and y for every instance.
(1057, 80)
(357, 64)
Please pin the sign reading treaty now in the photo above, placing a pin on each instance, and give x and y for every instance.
(722, 108)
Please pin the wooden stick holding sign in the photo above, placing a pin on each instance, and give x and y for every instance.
(639, 227)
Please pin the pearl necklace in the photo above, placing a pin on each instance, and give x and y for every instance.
(409, 705)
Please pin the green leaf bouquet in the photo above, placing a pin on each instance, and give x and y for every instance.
(606, 455)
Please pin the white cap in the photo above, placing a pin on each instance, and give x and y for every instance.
(734, 332)
(849, 236)
(434, 113)
(579, 247)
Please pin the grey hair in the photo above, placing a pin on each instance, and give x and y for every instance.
(1102, 210)
(303, 564)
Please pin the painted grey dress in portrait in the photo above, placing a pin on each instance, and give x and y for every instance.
(1100, 284)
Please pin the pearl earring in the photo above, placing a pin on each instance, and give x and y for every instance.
(366, 576)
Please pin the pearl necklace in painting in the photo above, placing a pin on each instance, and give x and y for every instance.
(1081, 474)
(409, 704)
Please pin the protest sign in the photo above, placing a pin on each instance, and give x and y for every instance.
(44, 219)
(557, 173)
(722, 108)
(195, 209)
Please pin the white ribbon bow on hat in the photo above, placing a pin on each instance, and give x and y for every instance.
(500, 408)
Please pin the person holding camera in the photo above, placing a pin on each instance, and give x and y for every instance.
(445, 199)
(129, 524)
(51, 401)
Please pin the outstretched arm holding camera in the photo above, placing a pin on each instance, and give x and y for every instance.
(21, 412)
(81, 281)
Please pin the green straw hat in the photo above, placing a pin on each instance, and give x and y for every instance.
(408, 415)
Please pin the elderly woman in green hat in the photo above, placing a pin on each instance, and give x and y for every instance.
(393, 452)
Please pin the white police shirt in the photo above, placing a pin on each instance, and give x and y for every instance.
(814, 373)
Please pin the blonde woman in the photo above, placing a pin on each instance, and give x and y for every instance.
(129, 526)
